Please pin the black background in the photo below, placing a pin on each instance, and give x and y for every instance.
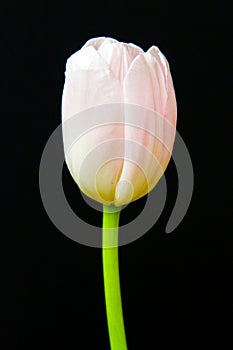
(176, 288)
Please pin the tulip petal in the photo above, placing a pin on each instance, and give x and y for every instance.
(171, 107)
(138, 86)
(89, 83)
(161, 59)
(152, 155)
(95, 162)
(118, 56)
(135, 172)
(84, 70)
(96, 42)
(142, 166)
(159, 82)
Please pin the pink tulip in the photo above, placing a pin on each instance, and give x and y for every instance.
(107, 72)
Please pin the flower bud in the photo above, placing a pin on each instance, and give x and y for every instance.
(123, 100)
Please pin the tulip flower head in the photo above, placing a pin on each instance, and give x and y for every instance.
(123, 99)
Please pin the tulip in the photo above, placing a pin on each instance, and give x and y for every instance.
(107, 72)
(119, 104)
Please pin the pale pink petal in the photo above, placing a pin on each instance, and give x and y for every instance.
(154, 50)
(160, 91)
(144, 85)
(171, 108)
(139, 87)
(143, 151)
(96, 42)
(95, 162)
(89, 82)
(118, 56)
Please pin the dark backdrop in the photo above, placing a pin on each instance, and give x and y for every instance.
(176, 288)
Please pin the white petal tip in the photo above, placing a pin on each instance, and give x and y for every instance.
(124, 193)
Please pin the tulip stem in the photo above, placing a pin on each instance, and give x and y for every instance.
(112, 290)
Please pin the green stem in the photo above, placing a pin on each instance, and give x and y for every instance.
(115, 319)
